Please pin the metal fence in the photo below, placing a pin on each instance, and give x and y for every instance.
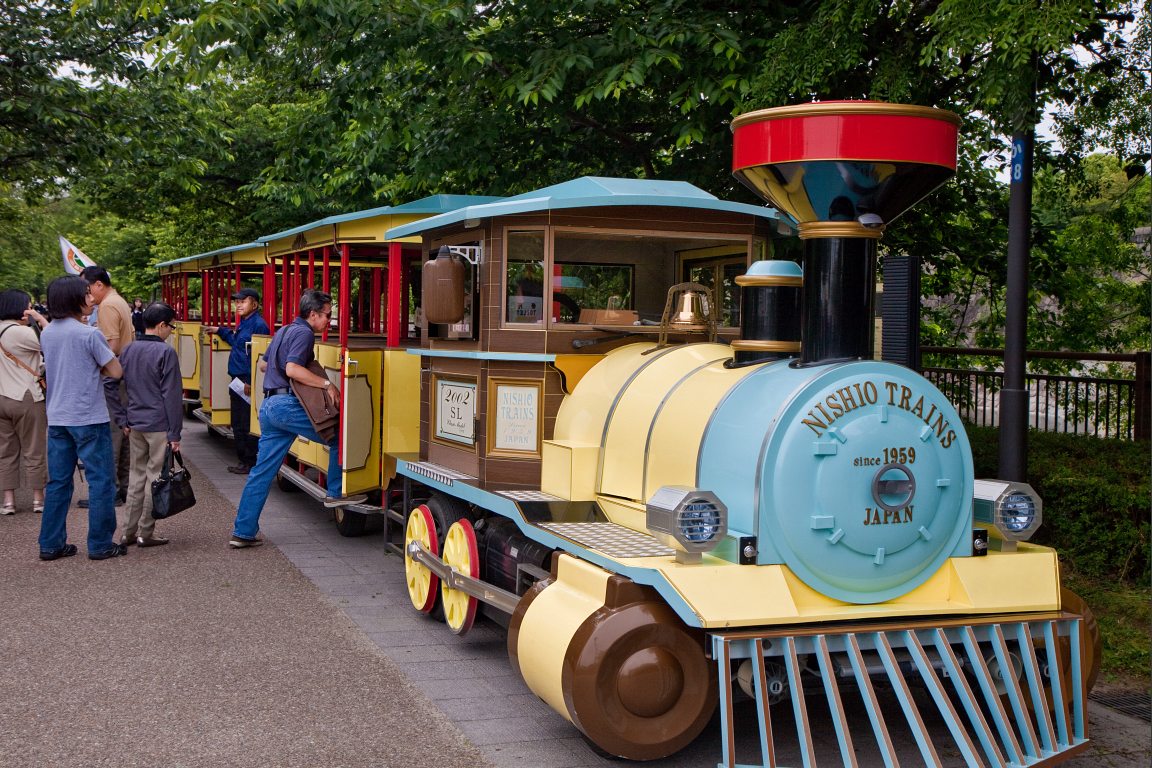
(1077, 404)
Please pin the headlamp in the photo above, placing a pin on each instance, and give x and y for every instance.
(688, 520)
(1011, 510)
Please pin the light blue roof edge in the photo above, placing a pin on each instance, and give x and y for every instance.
(206, 254)
(590, 192)
(433, 204)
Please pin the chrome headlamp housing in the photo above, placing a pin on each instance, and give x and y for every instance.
(1012, 510)
(688, 520)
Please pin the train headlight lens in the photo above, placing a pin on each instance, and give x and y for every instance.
(1019, 512)
(688, 520)
(699, 522)
(1013, 511)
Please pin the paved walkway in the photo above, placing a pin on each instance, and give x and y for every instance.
(303, 653)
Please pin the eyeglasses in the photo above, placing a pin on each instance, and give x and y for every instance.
(173, 326)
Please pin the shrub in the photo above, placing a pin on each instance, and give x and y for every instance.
(1096, 499)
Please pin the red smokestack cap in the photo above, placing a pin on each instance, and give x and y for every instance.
(864, 162)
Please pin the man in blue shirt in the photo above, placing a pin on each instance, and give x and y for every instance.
(76, 356)
(240, 367)
(283, 419)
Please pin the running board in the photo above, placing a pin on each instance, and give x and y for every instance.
(1030, 718)
(319, 492)
(218, 428)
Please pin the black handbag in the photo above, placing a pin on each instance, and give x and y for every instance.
(172, 491)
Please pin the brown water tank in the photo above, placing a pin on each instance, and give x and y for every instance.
(443, 292)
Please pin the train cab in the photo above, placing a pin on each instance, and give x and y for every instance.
(523, 295)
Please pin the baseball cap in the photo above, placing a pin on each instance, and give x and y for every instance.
(246, 293)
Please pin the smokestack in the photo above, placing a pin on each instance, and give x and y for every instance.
(844, 170)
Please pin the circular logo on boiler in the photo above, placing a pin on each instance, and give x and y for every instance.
(872, 482)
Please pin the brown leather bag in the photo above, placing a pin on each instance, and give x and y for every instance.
(322, 412)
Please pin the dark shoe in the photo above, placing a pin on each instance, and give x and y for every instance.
(343, 501)
(127, 541)
(151, 541)
(240, 469)
(121, 497)
(83, 503)
(65, 551)
(118, 550)
(240, 542)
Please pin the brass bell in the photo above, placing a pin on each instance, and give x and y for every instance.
(692, 312)
(687, 309)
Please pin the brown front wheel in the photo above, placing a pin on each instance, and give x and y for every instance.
(637, 682)
(1093, 644)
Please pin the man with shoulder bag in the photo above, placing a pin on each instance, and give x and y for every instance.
(283, 418)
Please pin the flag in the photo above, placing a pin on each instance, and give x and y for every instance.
(74, 258)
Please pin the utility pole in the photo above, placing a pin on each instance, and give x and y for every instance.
(1014, 396)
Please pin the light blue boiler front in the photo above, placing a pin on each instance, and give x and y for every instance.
(857, 476)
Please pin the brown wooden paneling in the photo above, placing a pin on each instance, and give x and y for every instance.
(460, 460)
(512, 473)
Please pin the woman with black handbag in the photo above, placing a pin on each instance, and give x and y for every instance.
(23, 418)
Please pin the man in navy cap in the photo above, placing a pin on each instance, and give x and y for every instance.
(240, 367)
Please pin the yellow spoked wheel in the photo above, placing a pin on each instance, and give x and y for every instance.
(462, 554)
(422, 583)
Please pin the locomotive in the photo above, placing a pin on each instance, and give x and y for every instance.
(771, 516)
(666, 460)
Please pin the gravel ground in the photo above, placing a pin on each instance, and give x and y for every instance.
(194, 654)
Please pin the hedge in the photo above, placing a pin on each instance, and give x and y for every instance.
(1096, 499)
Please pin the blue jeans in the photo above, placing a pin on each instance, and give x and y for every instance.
(282, 420)
(93, 445)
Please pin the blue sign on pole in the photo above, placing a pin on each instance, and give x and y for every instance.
(1017, 161)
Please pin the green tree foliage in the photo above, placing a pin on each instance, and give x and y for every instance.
(29, 249)
(1110, 106)
(259, 114)
(1089, 279)
(53, 63)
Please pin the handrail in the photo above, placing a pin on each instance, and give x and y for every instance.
(1107, 407)
(1104, 357)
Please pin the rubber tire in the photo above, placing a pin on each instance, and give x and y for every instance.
(287, 485)
(350, 524)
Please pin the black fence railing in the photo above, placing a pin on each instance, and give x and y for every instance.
(1078, 404)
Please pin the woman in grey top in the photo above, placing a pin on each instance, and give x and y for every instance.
(23, 420)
